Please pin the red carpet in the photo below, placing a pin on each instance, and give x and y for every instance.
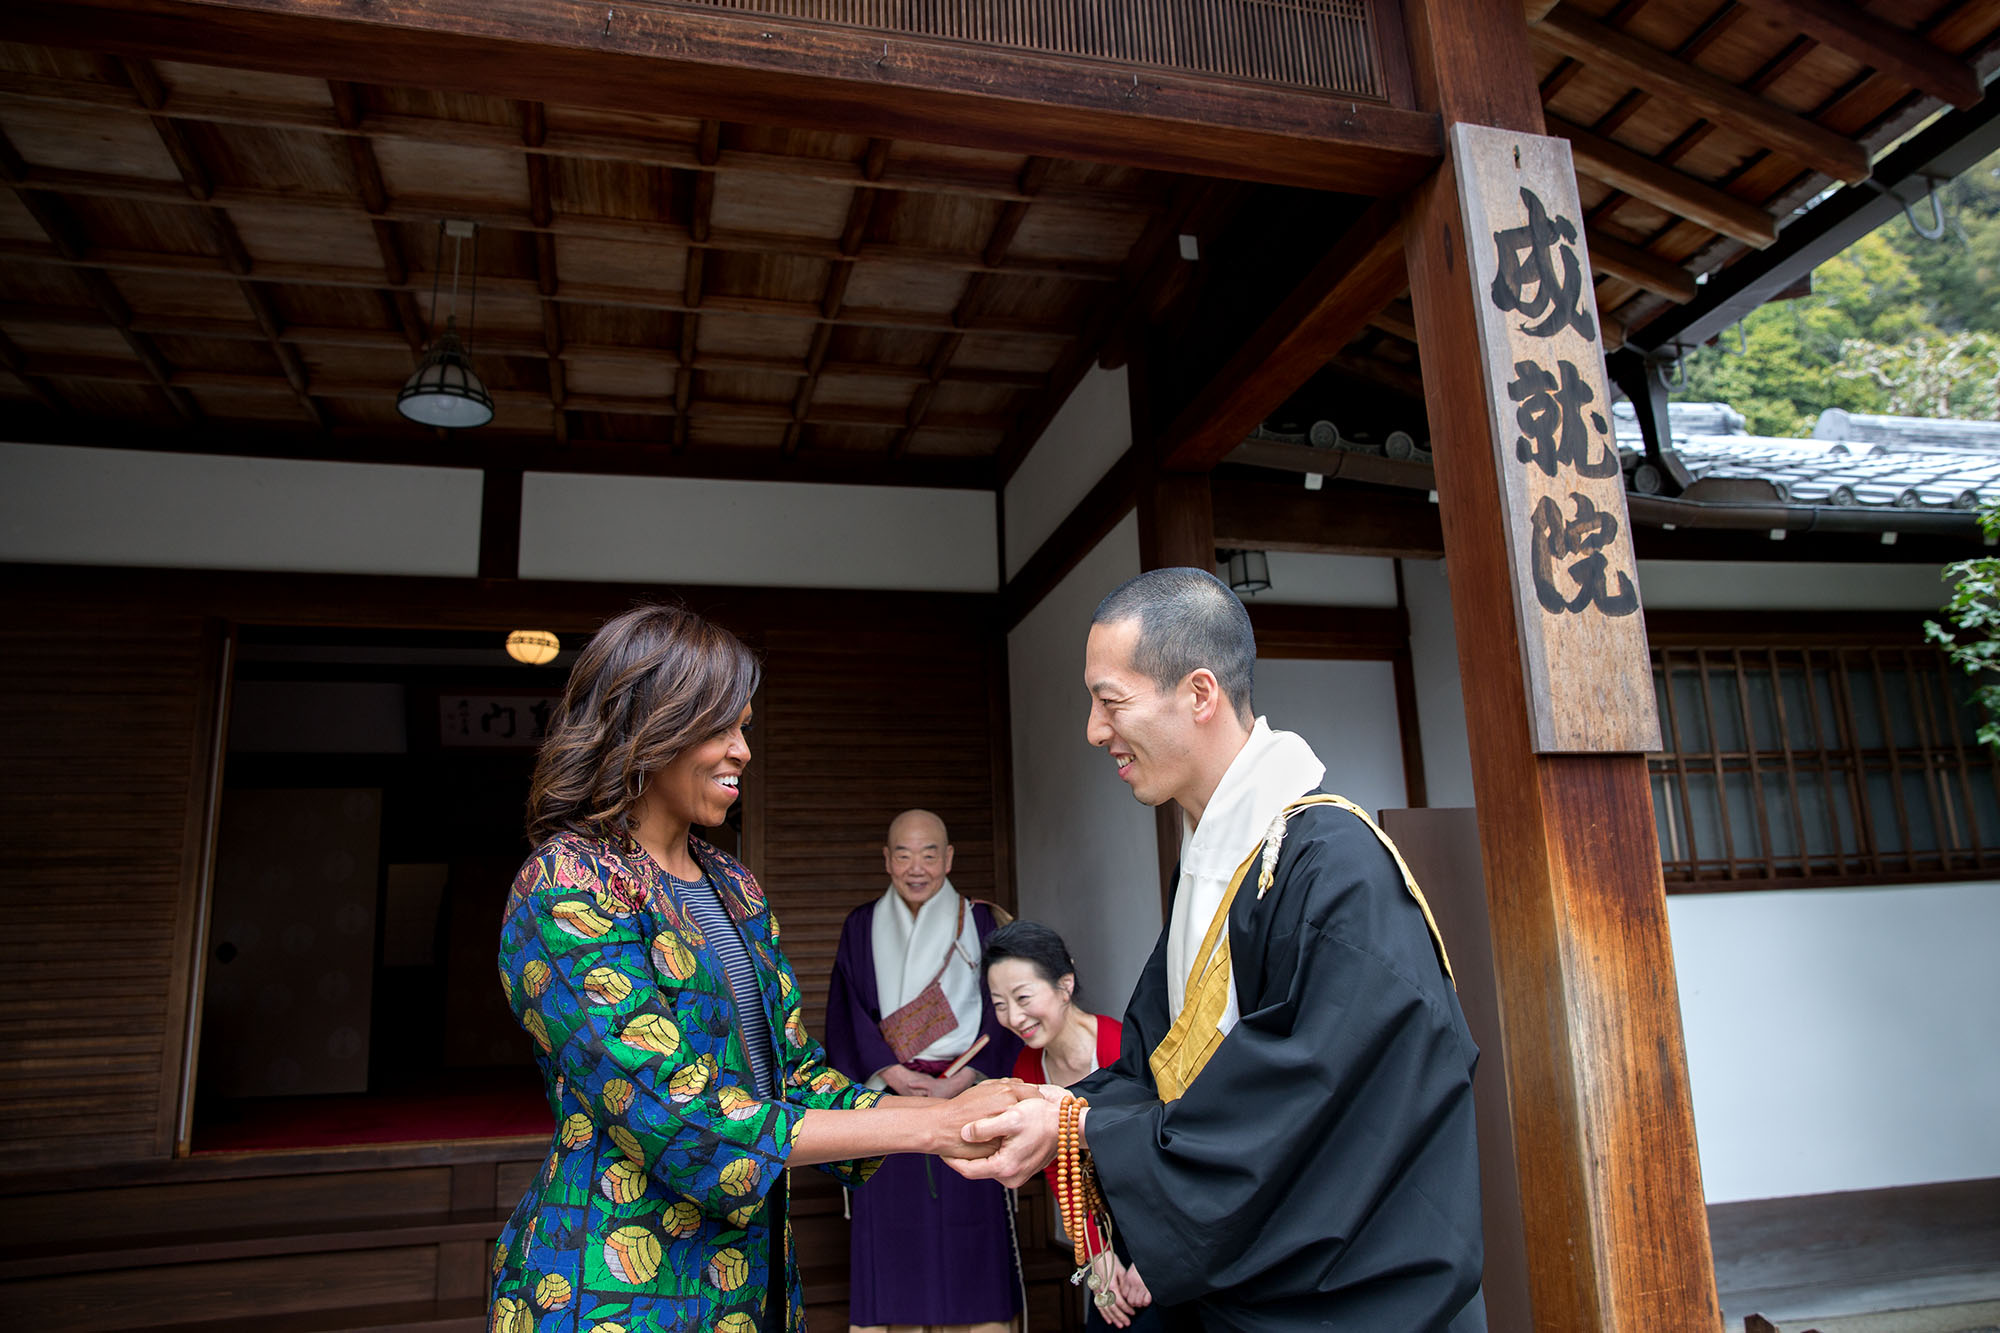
(479, 1106)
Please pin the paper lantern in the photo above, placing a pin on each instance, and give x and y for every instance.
(536, 647)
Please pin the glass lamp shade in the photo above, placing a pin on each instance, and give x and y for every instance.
(1249, 571)
(533, 646)
(442, 390)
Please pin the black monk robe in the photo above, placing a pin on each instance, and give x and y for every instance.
(1321, 1172)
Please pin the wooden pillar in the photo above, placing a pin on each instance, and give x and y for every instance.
(1617, 1236)
(500, 524)
(1176, 527)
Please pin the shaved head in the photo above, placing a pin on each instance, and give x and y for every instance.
(917, 823)
(917, 856)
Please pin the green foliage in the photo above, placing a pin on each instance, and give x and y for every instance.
(1947, 375)
(1973, 640)
(1895, 324)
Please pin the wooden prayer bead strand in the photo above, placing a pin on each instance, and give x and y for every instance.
(1062, 1165)
(1072, 1191)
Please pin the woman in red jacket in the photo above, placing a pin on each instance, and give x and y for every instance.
(1031, 980)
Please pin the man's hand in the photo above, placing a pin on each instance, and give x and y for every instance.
(957, 1083)
(908, 1082)
(1023, 1139)
(981, 1102)
(1133, 1288)
(1110, 1275)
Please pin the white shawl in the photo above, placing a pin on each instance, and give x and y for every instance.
(1273, 769)
(907, 953)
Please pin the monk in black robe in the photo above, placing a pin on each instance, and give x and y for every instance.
(1288, 1141)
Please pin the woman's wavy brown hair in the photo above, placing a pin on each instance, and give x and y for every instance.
(650, 683)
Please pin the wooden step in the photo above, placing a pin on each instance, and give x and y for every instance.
(462, 1316)
(157, 1251)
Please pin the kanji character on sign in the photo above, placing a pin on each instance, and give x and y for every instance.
(1528, 281)
(1555, 427)
(1585, 535)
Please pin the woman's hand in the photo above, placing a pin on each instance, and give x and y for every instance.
(1110, 1277)
(1019, 1139)
(981, 1101)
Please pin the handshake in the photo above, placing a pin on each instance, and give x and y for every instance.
(1001, 1129)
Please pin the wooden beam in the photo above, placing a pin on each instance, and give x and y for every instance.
(1911, 548)
(73, 247)
(539, 219)
(335, 275)
(1593, 1050)
(771, 70)
(522, 450)
(1346, 465)
(1396, 319)
(1358, 276)
(1099, 511)
(1674, 191)
(1605, 49)
(1195, 207)
(16, 365)
(1338, 519)
(1880, 45)
(491, 343)
(350, 117)
(1641, 268)
(1330, 633)
(430, 603)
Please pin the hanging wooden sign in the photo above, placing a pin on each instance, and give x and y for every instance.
(1576, 589)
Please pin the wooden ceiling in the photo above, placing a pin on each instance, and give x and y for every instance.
(1698, 126)
(194, 255)
(215, 250)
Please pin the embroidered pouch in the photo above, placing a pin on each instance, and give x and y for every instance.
(912, 1028)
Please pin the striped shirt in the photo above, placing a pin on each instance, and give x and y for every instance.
(704, 904)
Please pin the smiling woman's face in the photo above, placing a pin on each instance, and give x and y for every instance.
(699, 785)
(1026, 1004)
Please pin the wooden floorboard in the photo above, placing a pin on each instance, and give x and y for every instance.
(1858, 1253)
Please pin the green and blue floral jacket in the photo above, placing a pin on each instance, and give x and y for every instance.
(654, 1210)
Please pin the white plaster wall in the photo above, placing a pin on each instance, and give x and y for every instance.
(738, 533)
(1729, 585)
(1434, 667)
(1300, 578)
(1841, 1039)
(1086, 858)
(65, 505)
(1838, 1039)
(1347, 712)
(1090, 432)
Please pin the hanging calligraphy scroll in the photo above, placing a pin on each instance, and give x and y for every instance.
(1576, 591)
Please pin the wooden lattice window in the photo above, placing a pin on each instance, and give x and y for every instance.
(1326, 46)
(1818, 761)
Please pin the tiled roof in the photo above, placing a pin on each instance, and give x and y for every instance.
(1902, 469)
(1906, 433)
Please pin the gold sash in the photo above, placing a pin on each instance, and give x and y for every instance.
(1189, 1044)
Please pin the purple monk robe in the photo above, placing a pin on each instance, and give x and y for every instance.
(928, 1245)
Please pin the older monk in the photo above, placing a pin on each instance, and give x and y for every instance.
(929, 1248)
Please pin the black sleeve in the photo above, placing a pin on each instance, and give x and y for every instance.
(1328, 1143)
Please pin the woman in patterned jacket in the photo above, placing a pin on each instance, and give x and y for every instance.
(645, 965)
